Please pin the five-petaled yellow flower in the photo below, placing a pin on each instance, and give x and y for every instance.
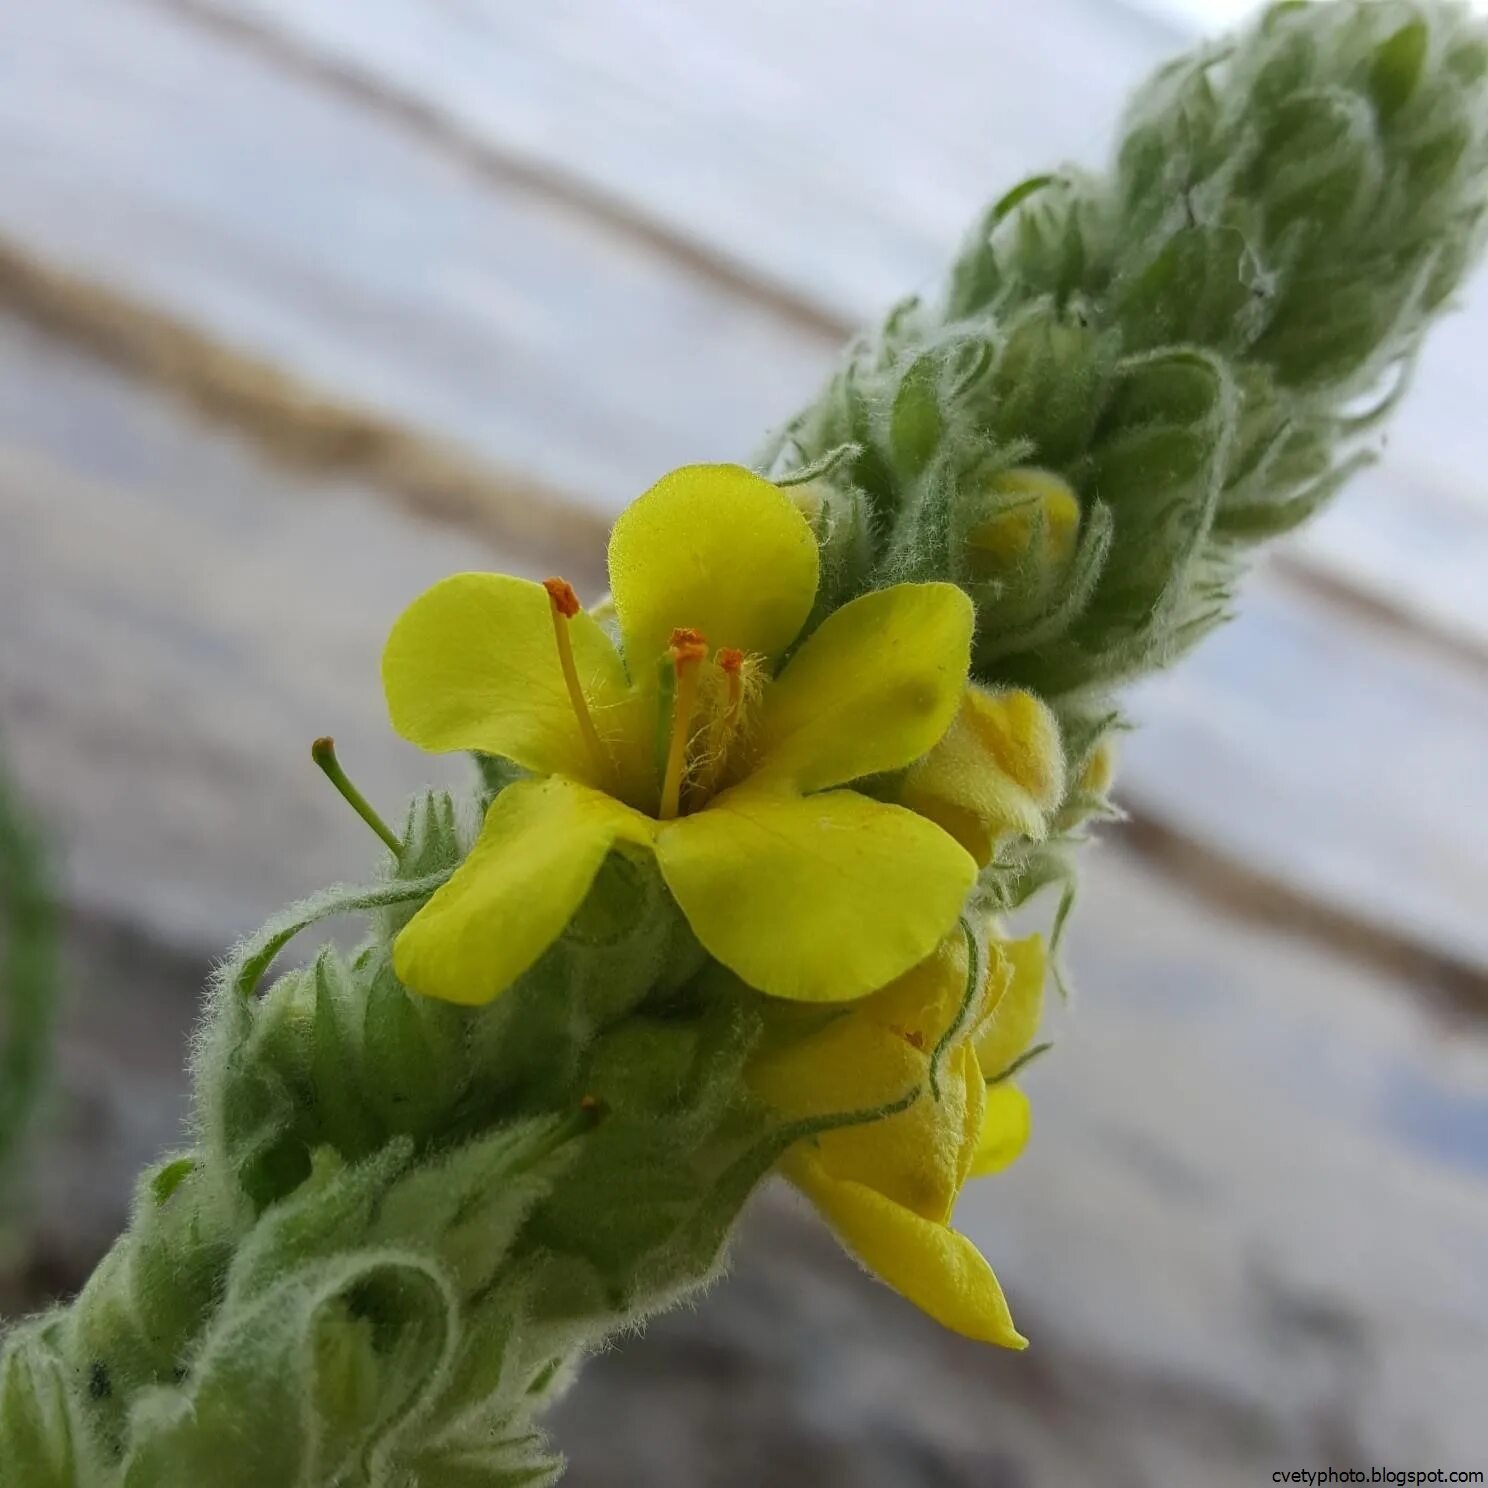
(684, 740)
(889, 1186)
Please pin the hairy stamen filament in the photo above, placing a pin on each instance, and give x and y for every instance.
(688, 650)
(726, 726)
(565, 605)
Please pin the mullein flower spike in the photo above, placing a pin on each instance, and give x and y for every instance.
(747, 826)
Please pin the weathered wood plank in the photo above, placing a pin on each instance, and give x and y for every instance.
(760, 133)
(177, 622)
(1330, 752)
(837, 150)
(1275, 1136)
(162, 159)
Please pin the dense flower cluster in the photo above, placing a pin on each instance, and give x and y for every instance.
(682, 734)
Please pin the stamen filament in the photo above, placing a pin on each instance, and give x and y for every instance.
(688, 649)
(721, 735)
(323, 752)
(565, 605)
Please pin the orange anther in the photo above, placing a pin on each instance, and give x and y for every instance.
(687, 648)
(565, 607)
(730, 660)
(688, 645)
(565, 601)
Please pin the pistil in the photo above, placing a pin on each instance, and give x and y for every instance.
(323, 752)
(565, 605)
(688, 650)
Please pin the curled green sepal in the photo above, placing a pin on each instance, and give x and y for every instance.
(245, 968)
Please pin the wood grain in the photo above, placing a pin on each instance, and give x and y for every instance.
(179, 621)
(346, 250)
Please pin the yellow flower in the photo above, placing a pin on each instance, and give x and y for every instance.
(683, 741)
(996, 774)
(888, 1186)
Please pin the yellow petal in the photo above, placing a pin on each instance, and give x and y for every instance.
(873, 1055)
(819, 899)
(717, 549)
(542, 843)
(1006, 1120)
(1009, 1024)
(928, 998)
(872, 689)
(854, 1063)
(938, 1270)
(473, 664)
(996, 774)
(971, 1089)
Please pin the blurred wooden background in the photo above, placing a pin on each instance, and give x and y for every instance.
(304, 304)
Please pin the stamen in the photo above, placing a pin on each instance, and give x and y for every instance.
(565, 606)
(725, 725)
(732, 663)
(687, 650)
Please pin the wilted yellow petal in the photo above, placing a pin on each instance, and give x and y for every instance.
(938, 1270)
(1006, 1120)
(996, 774)
(1009, 1024)
(874, 1055)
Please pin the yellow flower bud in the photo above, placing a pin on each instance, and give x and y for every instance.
(1100, 770)
(996, 774)
(1089, 797)
(1032, 519)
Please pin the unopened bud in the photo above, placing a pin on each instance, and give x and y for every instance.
(1028, 522)
(997, 773)
(1090, 796)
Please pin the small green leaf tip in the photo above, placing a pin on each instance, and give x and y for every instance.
(323, 752)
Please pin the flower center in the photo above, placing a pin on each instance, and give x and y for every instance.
(565, 605)
(710, 704)
(708, 725)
